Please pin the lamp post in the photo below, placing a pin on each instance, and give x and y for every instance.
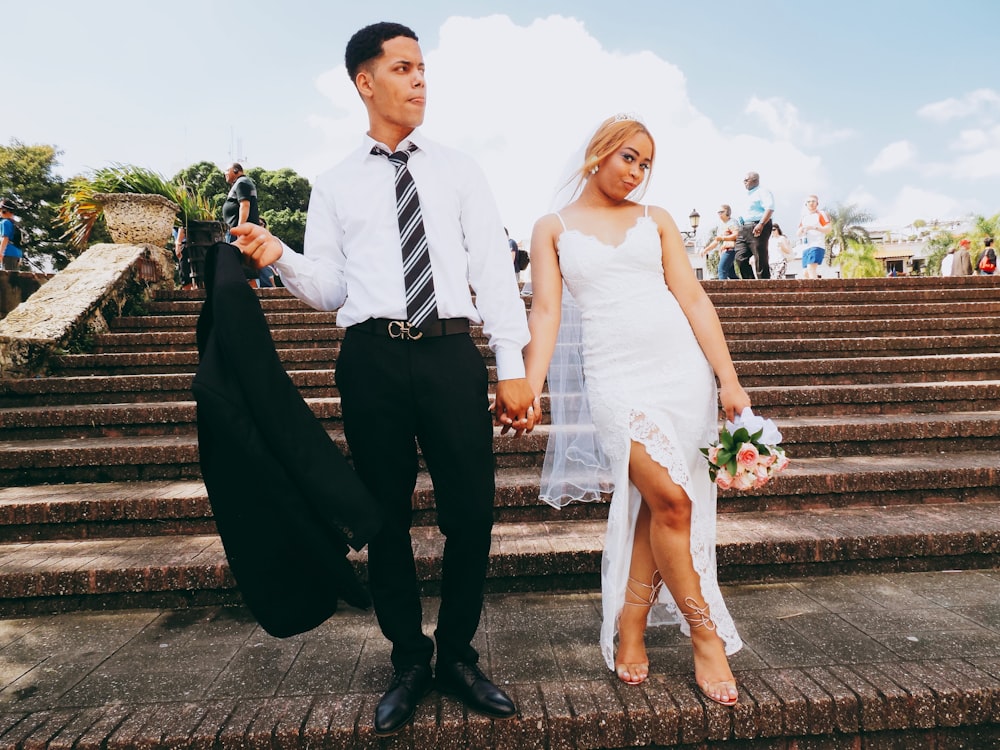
(695, 219)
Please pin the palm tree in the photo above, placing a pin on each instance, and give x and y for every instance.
(846, 227)
(857, 260)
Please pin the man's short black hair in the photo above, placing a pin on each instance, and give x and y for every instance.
(366, 44)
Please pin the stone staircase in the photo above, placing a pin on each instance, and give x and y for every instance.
(885, 391)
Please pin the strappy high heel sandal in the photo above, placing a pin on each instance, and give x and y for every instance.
(647, 598)
(698, 618)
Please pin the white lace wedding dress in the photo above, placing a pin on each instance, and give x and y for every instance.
(648, 381)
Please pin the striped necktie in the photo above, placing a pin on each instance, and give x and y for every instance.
(421, 305)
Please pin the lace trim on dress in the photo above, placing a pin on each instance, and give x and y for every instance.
(660, 442)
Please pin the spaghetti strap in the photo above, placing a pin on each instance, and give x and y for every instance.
(645, 210)
(565, 228)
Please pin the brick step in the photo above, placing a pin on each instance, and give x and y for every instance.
(777, 373)
(66, 575)
(161, 404)
(910, 345)
(119, 503)
(907, 283)
(743, 325)
(856, 327)
(888, 398)
(796, 297)
(872, 308)
(826, 664)
(164, 306)
(173, 362)
(781, 401)
(813, 311)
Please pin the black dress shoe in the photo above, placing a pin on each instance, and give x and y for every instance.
(400, 701)
(467, 683)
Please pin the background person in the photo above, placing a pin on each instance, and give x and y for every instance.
(755, 229)
(10, 237)
(814, 226)
(962, 264)
(779, 252)
(725, 239)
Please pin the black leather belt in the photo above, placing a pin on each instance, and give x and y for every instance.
(400, 329)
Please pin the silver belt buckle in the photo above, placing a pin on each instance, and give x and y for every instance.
(401, 329)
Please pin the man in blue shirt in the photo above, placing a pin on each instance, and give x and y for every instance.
(755, 229)
(9, 237)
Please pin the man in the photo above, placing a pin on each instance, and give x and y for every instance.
(725, 238)
(755, 229)
(947, 261)
(814, 226)
(962, 264)
(241, 203)
(10, 237)
(408, 369)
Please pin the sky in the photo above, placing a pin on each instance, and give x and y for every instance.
(892, 105)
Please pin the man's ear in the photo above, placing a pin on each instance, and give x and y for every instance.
(363, 81)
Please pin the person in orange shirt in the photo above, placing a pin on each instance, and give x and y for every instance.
(813, 229)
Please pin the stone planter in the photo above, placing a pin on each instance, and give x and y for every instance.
(138, 219)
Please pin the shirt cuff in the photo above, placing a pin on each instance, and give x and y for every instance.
(510, 363)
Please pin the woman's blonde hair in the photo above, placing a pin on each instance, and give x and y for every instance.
(610, 136)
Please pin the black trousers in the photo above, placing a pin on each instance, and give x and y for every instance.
(396, 393)
(748, 246)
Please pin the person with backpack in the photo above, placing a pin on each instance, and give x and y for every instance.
(988, 260)
(10, 237)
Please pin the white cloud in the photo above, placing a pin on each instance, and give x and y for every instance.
(894, 156)
(783, 121)
(913, 203)
(524, 119)
(954, 108)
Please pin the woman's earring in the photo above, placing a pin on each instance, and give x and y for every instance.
(594, 169)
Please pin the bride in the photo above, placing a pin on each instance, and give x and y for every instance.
(651, 345)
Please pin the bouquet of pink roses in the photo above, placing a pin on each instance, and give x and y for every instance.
(747, 454)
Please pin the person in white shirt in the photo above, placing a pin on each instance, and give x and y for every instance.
(813, 229)
(402, 382)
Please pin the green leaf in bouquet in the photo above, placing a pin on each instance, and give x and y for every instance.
(756, 436)
(727, 440)
(741, 436)
(762, 450)
(704, 452)
(731, 467)
(725, 457)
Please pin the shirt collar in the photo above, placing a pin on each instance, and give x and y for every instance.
(415, 137)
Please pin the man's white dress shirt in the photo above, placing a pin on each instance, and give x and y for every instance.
(353, 260)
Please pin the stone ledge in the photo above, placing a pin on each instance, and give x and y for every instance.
(80, 298)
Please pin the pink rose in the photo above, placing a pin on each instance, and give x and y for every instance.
(747, 455)
(724, 479)
(767, 460)
(760, 482)
(713, 453)
(744, 481)
(781, 463)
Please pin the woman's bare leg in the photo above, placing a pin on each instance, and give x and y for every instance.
(670, 545)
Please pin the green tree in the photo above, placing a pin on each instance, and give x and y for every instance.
(846, 222)
(280, 189)
(857, 260)
(206, 180)
(937, 247)
(28, 179)
(289, 225)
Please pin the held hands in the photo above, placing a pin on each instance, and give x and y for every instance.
(516, 407)
(733, 398)
(257, 244)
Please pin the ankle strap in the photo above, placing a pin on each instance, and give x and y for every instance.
(698, 617)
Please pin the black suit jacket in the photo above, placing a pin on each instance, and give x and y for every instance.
(285, 501)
